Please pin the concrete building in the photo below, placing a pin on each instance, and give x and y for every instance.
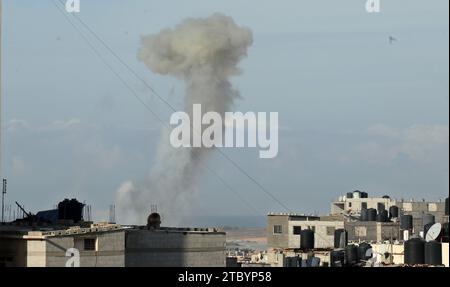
(175, 247)
(110, 245)
(346, 205)
(98, 246)
(353, 203)
(283, 230)
(371, 231)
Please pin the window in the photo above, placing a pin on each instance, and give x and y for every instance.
(364, 205)
(407, 206)
(432, 207)
(89, 244)
(277, 229)
(381, 206)
(350, 204)
(330, 230)
(297, 230)
(360, 231)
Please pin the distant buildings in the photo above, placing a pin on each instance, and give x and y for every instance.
(355, 222)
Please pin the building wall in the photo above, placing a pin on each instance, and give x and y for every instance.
(354, 205)
(36, 250)
(418, 209)
(149, 248)
(323, 232)
(445, 254)
(323, 237)
(13, 252)
(278, 240)
(396, 251)
(372, 231)
(110, 250)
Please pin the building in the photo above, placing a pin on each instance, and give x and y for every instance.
(352, 204)
(372, 231)
(98, 246)
(55, 238)
(175, 247)
(283, 230)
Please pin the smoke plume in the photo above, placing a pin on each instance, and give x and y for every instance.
(204, 53)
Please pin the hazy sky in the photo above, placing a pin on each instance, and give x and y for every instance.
(355, 111)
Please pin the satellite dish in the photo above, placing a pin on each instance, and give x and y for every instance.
(434, 232)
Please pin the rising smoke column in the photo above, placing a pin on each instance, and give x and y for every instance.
(204, 53)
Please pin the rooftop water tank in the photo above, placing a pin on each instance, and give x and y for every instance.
(351, 254)
(414, 251)
(357, 194)
(427, 219)
(393, 211)
(446, 206)
(383, 216)
(363, 251)
(371, 214)
(154, 220)
(337, 258)
(433, 253)
(340, 238)
(445, 231)
(364, 215)
(306, 239)
(349, 195)
(70, 210)
(406, 222)
(364, 194)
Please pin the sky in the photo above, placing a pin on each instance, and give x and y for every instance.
(355, 111)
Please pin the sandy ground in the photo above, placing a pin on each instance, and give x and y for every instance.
(257, 235)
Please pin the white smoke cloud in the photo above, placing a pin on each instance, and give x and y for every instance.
(204, 53)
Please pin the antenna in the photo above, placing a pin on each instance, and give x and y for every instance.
(112, 213)
(3, 199)
(153, 208)
(1, 92)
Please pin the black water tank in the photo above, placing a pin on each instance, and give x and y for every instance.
(349, 195)
(382, 216)
(364, 215)
(406, 222)
(154, 220)
(337, 258)
(340, 234)
(445, 229)
(381, 206)
(433, 253)
(364, 194)
(351, 254)
(414, 251)
(427, 219)
(371, 214)
(362, 251)
(393, 211)
(70, 210)
(306, 239)
(446, 206)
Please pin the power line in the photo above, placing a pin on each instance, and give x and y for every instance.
(133, 72)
